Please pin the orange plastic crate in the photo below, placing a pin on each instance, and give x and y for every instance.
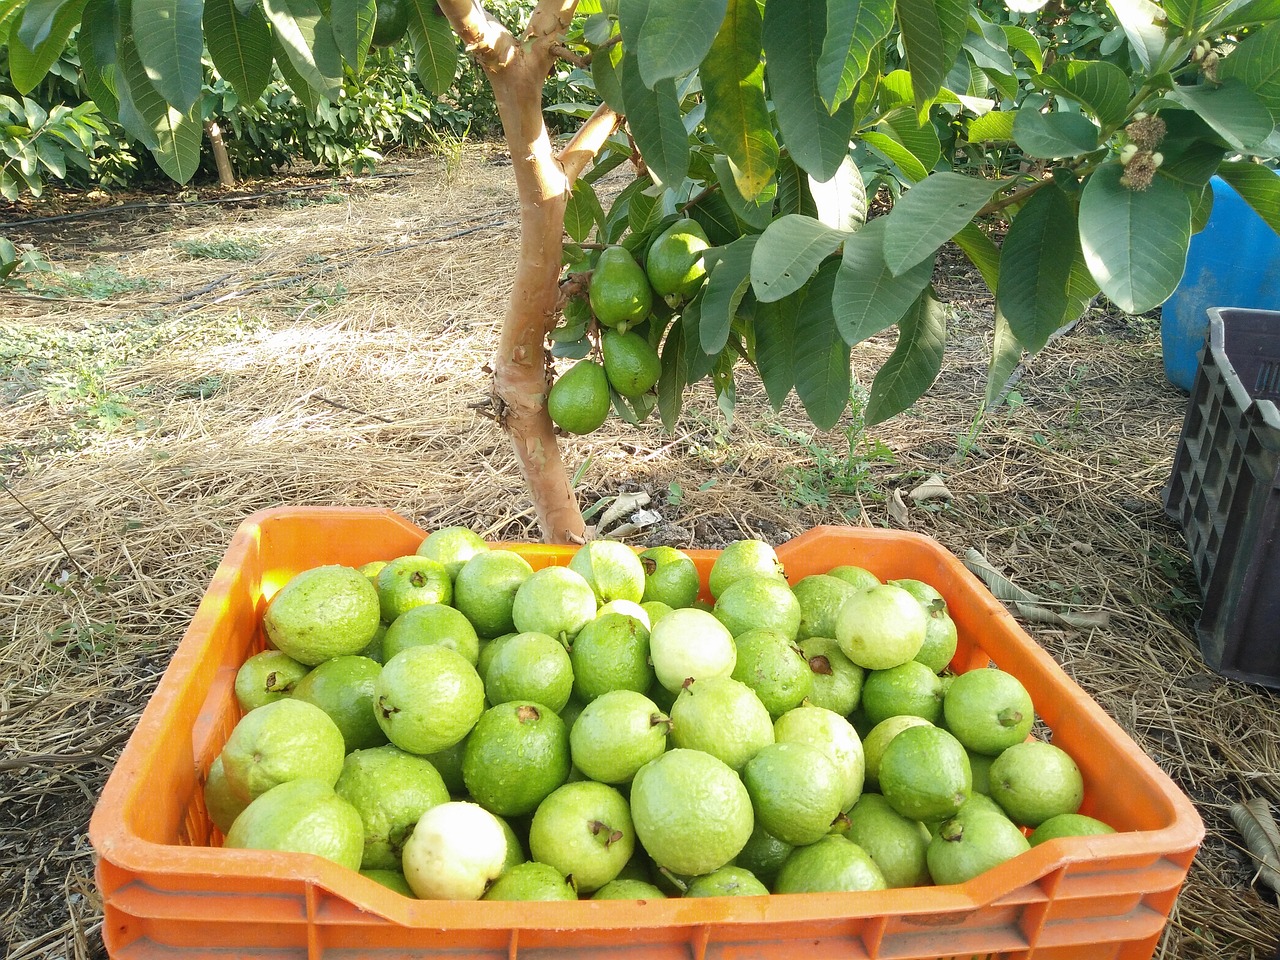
(168, 893)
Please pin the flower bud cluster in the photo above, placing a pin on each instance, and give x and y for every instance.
(1139, 156)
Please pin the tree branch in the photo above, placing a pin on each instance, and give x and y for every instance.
(562, 52)
(995, 206)
(482, 36)
(586, 143)
(550, 18)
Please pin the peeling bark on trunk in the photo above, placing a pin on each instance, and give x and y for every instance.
(517, 71)
(520, 377)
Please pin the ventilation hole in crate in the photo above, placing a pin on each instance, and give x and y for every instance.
(1214, 409)
(1267, 384)
(1201, 511)
(1213, 471)
(1237, 457)
(1195, 421)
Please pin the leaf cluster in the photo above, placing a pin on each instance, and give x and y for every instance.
(771, 124)
(39, 143)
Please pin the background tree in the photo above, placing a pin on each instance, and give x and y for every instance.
(767, 125)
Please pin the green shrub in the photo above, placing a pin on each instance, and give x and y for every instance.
(383, 108)
(38, 143)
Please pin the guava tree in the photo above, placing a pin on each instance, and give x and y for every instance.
(752, 131)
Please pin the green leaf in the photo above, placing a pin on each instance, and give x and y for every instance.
(820, 355)
(787, 254)
(932, 34)
(1142, 23)
(308, 42)
(716, 218)
(1258, 185)
(898, 155)
(855, 28)
(169, 35)
(1134, 241)
(896, 90)
(1201, 207)
(632, 410)
(52, 158)
(582, 212)
(605, 64)
(993, 127)
(1037, 260)
(435, 49)
(8, 257)
(1025, 42)
(1190, 147)
(726, 389)
(930, 214)
(28, 66)
(1006, 354)
(727, 283)
(1256, 64)
(669, 37)
(793, 190)
(643, 214)
(9, 9)
(867, 298)
(97, 42)
(673, 379)
(775, 330)
(817, 139)
(1233, 110)
(597, 28)
(842, 200)
(989, 49)
(920, 140)
(1193, 13)
(914, 364)
(176, 135)
(37, 21)
(756, 213)
(733, 88)
(1005, 84)
(301, 89)
(656, 124)
(1103, 88)
(240, 46)
(352, 22)
(700, 363)
(982, 253)
(138, 126)
(1054, 135)
(1249, 14)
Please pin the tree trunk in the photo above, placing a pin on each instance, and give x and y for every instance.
(226, 176)
(517, 72)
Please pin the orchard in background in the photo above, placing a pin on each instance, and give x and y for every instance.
(755, 132)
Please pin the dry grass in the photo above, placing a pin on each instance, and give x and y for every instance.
(344, 364)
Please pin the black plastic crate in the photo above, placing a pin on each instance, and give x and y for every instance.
(1225, 492)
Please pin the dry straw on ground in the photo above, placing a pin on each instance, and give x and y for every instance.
(344, 363)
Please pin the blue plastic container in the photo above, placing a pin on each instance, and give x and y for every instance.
(1233, 262)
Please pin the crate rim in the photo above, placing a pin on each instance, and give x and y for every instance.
(1219, 317)
(112, 842)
